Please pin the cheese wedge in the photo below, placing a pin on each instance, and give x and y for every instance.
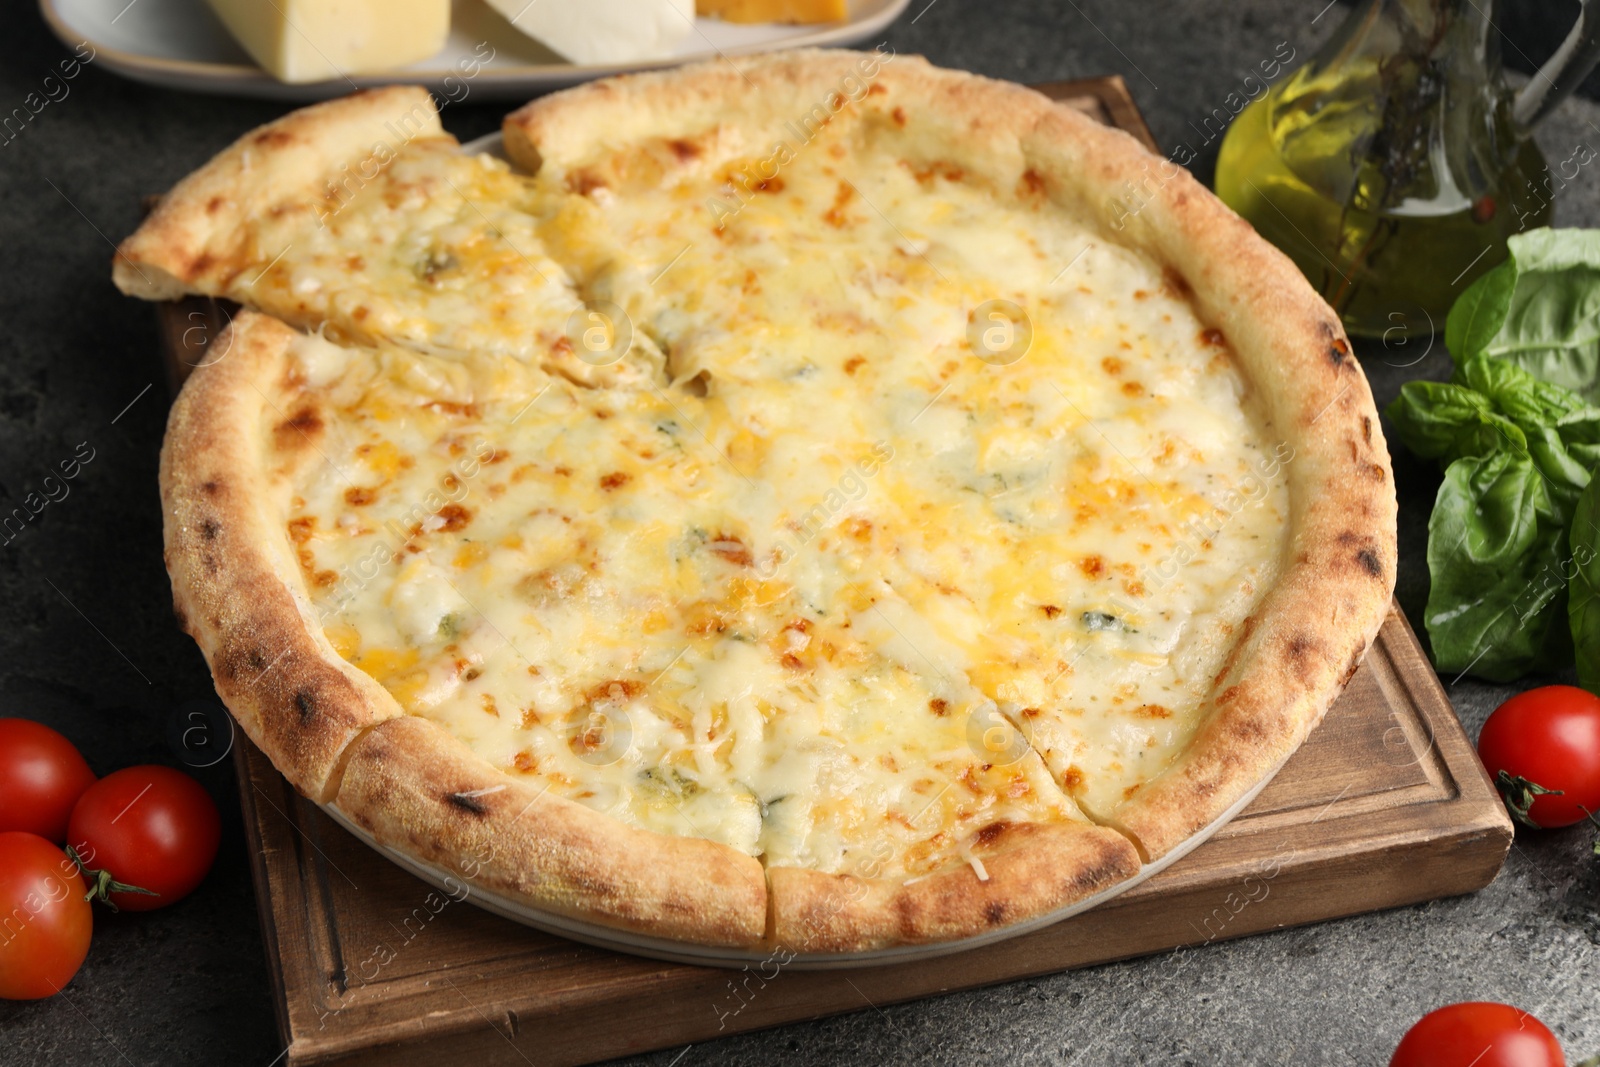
(796, 11)
(603, 31)
(318, 40)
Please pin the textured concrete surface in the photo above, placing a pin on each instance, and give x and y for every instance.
(91, 647)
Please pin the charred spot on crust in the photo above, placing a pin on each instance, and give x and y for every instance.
(1366, 428)
(467, 802)
(211, 488)
(305, 704)
(1112, 867)
(209, 529)
(1031, 183)
(214, 205)
(1338, 347)
(1370, 562)
(1175, 284)
(1247, 729)
(684, 150)
(988, 835)
(1355, 665)
(994, 913)
(274, 138)
(1300, 646)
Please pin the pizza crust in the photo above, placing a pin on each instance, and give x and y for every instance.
(1026, 870)
(236, 588)
(415, 788)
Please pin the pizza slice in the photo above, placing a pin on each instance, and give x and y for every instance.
(363, 218)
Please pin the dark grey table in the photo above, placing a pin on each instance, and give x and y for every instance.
(90, 645)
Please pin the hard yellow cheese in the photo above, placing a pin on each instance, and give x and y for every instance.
(795, 11)
(316, 40)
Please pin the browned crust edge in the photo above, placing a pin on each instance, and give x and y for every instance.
(1307, 637)
(236, 587)
(416, 788)
(196, 240)
(1029, 870)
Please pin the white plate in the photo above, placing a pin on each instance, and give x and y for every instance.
(180, 44)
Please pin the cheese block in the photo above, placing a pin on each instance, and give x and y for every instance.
(794, 11)
(318, 40)
(603, 31)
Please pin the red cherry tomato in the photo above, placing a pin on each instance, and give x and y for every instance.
(1550, 737)
(46, 924)
(150, 827)
(41, 776)
(1478, 1034)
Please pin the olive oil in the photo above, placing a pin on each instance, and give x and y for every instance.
(1388, 225)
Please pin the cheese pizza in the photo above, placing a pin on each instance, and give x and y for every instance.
(788, 504)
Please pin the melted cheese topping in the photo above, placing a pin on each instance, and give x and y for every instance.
(426, 248)
(846, 561)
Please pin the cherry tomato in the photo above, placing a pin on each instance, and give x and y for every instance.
(150, 827)
(1549, 737)
(41, 777)
(44, 935)
(1478, 1034)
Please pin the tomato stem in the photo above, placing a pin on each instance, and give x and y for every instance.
(1590, 816)
(102, 885)
(1519, 794)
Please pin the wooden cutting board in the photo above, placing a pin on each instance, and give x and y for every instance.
(1385, 804)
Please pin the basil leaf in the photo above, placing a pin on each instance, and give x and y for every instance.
(1540, 309)
(1495, 532)
(1438, 420)
(1528, 400)
(1583, 603)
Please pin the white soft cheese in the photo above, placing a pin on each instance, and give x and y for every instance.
(603, 31)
